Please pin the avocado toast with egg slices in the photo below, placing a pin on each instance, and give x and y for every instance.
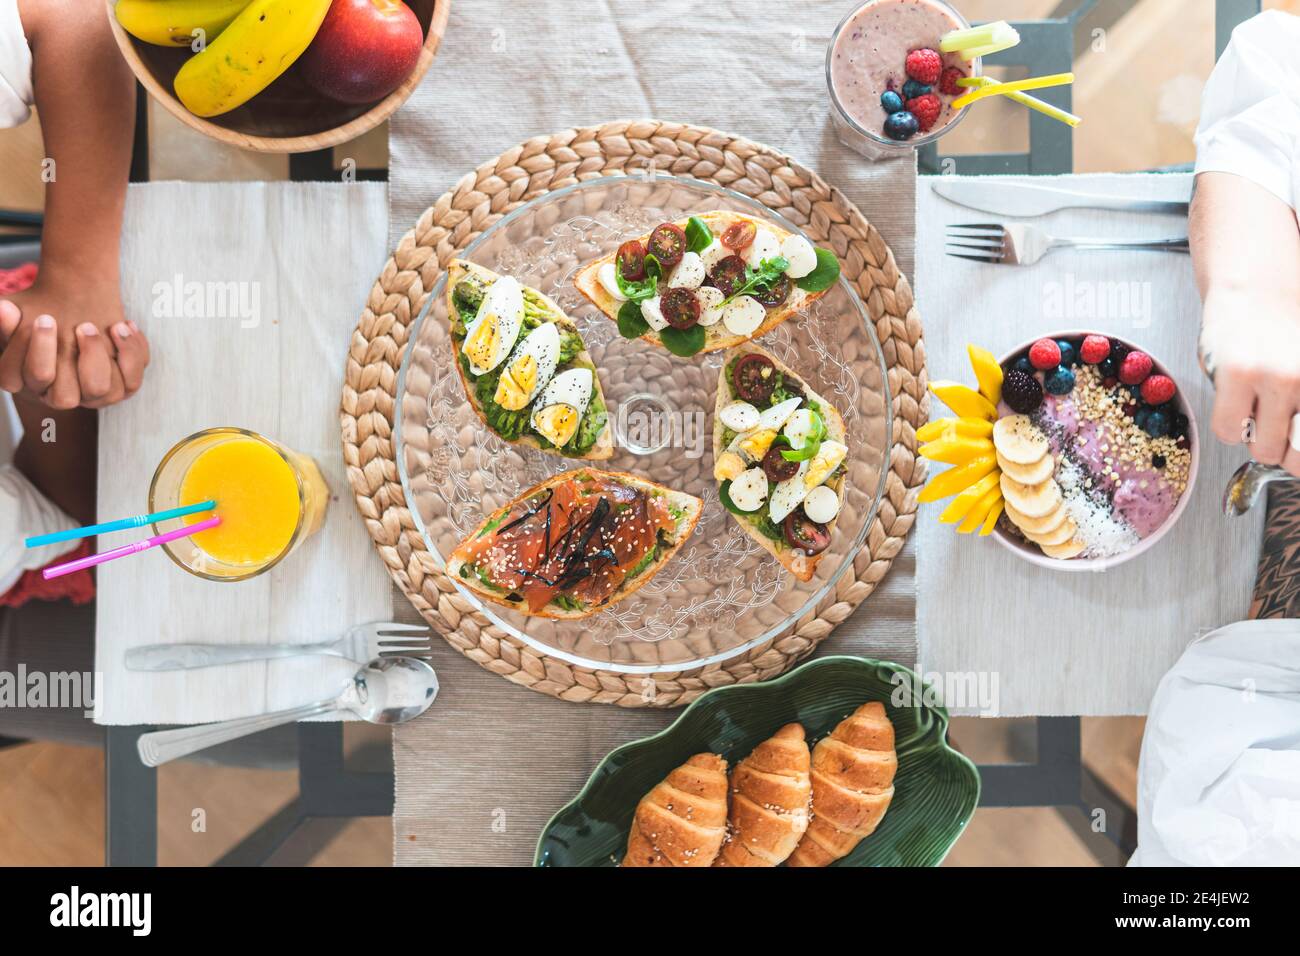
(575, 544)
(524, 366)
(779, 456)
(708, 282)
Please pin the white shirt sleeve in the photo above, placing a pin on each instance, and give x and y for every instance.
(1250, 110)
(16, 96)
(25, 512)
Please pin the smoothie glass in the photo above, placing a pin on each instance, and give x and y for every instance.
(276, 500)
(855, 76)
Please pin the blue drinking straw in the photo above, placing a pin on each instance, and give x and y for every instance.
(139, 521)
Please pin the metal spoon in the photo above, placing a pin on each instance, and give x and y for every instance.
(388, 690)
(1246, 484)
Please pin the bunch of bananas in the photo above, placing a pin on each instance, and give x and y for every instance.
(245, 44)
(966, 443)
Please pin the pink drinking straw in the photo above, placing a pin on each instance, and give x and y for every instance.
(90, 561)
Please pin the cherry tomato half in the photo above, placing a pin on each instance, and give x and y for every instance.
(630, 260)
(668, 244)
(805, 534)
(680, 308)
(776, 293)
(776, 467)
(754, 377)
(739, 235)
(728, 275)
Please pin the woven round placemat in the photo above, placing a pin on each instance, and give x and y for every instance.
(481, 198)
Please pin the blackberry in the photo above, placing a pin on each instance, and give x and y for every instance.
(1022, 392)
(1178, 425)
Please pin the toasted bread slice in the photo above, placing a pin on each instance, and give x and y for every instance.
(689, 505)
(716, 336)
(797, 563)
(604, 445)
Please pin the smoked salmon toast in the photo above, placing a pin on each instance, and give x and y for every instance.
(575, 544)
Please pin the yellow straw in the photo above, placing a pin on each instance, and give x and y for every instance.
(1047, 109)
(994, 89)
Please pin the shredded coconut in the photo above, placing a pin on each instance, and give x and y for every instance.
(1103, 532)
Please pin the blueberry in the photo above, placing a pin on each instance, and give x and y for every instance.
(1108, 368)
(1023, 364)
(913, 89)
(1178, 425)
(1118, 350)
(1059, 381)
(1141, 415)
(1135, 391)
(891, 101)
(901, 125)
(1157, 423)
(1069, 354)
(1157, 461)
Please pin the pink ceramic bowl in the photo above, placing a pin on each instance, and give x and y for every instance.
(1029, 551)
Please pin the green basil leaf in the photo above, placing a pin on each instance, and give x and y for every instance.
(637, 291)
(683, 342)
(809, 450)
(631, 324)
(824, 275)
(724, 495)
(698, 235)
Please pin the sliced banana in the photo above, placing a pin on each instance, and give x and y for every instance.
(1059, 535)
(1019, 439)
(1070, 549)
(1035, 525)
(1033, 474)
(1036, 501)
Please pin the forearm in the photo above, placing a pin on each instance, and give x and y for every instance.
(84, 95)
(59, 455)
(1243, 239)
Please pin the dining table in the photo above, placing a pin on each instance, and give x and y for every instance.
(250, 292)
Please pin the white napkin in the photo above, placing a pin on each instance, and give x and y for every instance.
(1219, 776)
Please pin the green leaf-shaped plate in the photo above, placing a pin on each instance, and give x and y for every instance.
(935, 791)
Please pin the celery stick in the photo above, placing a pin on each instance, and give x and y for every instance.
(976, 51)
(955, 40)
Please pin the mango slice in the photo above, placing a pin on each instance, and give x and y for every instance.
(958, 478)
(987, 372)
(980, 512)
(991, 521)
(956, 451)
(964, 400)
(950, 427)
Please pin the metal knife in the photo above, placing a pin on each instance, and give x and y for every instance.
(1023, 199)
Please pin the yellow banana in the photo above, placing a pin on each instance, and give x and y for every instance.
(260, 44)
(173, 22)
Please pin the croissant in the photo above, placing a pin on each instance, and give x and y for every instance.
(770, 790)
(683, 820)
(852, 784)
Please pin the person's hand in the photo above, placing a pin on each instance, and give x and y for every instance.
(1251, 342)
(68, 364)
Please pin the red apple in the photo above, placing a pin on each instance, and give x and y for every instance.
(363, 50)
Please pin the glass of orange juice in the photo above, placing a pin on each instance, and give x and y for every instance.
(269, 498)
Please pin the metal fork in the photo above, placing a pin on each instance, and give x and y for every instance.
(361, 643)
(1023, 245)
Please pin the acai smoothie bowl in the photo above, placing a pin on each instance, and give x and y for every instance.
(1077, 450)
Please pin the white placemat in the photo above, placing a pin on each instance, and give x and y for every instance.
(294, 262)
(1067, 643)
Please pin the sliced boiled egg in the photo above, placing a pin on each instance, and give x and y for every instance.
(492, 334)
(801, 255)
(748, 490)
(739, 416)
(689, 273)
(561, 407)
(827, 459)
(714, 253)
(754, 443)
(728, 466)
(765, 246)
(710, 300)
(744, 315)
(530, 367)
(802, 425)
(787, 495)
(607, 276)
(822, 504)
(653, 314)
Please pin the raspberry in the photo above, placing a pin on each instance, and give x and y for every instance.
(1094, 349)
(1135, 367)
(1022, 392)
(1045, 354)
(924, 66)
(1157, 389)
(926, 109)
(948, 81)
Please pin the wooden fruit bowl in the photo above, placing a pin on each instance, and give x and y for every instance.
(288, 116)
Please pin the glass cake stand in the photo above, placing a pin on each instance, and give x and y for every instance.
(721, 594)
